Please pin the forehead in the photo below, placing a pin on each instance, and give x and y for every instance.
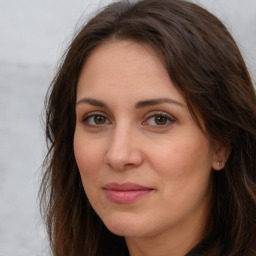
(125, 56)
(125, 67)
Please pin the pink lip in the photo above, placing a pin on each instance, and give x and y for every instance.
(125, 193)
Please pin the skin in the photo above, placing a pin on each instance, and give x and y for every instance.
(156, 145)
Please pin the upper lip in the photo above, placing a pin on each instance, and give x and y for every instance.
(127, 186)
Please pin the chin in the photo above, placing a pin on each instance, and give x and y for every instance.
(125, 226)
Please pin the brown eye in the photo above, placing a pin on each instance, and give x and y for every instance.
(95, 120)
(98, 119)
(161, 120)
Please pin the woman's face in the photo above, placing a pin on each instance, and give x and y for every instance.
(144, 163)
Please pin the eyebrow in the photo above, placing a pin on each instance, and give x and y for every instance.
(153, 102)
(138, 105)
(92, 102)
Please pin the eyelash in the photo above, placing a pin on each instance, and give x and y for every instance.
(167, 120)
(94, 115)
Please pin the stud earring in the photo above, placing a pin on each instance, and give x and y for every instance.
(220, 163)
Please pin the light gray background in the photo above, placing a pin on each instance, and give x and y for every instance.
(33, 35)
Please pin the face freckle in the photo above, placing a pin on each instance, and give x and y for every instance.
(162, 172)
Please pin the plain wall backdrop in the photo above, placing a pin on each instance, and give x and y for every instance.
(33, 36)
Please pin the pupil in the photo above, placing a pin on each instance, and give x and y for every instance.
(161, 120)
(99, 119)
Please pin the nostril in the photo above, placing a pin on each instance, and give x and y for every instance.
(122, 160)
(123, 150)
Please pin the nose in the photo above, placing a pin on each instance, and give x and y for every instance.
(123, 151)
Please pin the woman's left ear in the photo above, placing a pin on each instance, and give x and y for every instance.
(220, 157)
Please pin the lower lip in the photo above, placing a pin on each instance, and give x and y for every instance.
(126, 197)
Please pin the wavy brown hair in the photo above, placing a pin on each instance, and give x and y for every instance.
(206, 65)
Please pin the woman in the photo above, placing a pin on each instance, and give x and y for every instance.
(151, 124)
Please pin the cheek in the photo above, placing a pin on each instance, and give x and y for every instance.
(185, 171)
(183, 155)
(88, 153)
(89, 160)
(184, 165)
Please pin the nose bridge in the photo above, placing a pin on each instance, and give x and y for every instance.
(122, 135)
(123, 149)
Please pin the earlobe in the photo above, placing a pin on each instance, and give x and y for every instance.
(218, 165)
(220, 158)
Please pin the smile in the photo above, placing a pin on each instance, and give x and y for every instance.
(126, 192)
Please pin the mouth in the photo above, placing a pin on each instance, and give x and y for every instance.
(125, 193)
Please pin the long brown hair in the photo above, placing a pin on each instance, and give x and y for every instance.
(205, 64)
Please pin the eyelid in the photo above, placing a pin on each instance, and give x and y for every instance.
(95, 113)
(159, 113)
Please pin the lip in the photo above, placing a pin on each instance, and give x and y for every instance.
(124, 193)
